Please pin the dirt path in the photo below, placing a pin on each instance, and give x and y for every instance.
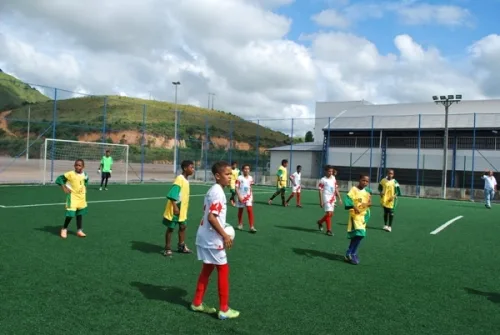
(3, 123)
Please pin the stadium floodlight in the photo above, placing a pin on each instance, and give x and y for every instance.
(176, 126)
(435, 97)
(446, 102)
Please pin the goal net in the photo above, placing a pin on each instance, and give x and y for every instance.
(58, 157)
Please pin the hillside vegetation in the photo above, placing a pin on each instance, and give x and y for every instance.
(83, 118)
(15, 93)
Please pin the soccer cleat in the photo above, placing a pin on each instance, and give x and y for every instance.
(389, 229)
(80, 233)
(229, 314)
(300, 206)
(270, 202)
(203, 309)
(105, 189)
(100, 188)
(253, 230)
(386, 227)
(347, 257)
(354, 259)
(240, 227)
(329, 233)
(64, 233)
(320, 226)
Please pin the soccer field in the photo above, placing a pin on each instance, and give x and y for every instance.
(287, 279)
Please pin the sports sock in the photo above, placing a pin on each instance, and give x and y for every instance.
(106, 182)
(298, 198)
(250, 215)
(223, 284)
(323, 219)
(102, 179)
(79, 222)
(356, 244)
(391, 217)
(351, 247)
(329, 223)
(202, 284)
(67, 221)
(274, 195)
(282, 197)
(386, 216)
(240, 216)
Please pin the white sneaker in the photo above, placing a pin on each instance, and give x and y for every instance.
(386, 228)
(389, 229)
(100, 188)
(240, 227)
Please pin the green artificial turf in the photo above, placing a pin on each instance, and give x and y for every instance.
(286, 279)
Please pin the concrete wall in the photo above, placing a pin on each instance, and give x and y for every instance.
(430, 159)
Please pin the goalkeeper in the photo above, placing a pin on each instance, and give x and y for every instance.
(105, 167)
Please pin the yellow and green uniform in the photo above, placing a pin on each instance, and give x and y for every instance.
(235, 173)
(281, 178)
(76, 201)
(179, 193)
(356, 198)
(107, 163)
(389, 191)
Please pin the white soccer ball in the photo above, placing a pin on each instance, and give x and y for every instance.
(229, 230)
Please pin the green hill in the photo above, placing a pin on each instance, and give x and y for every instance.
(15, 93)
(82, 119)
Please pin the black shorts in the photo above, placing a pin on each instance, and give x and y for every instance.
(106, 175)
(388, 210)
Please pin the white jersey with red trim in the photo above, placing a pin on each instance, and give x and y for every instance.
(244, 187)
(328, 187)
(215, 203)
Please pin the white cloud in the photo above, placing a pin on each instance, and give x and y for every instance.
(331, 18)
(446, 15)
(237, 49)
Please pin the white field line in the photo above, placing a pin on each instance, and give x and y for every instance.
(434, 232)
(102, 201)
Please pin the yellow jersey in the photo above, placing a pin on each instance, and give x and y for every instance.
(389, 190)
(281, 177)
(360, 199)
(235, 173)
(179, 193)
(76, 182)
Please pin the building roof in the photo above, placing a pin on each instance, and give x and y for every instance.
(406, 116)
(300, 147)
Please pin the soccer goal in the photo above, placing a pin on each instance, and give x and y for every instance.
(58, 157)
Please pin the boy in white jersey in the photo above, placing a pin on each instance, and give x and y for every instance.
(295, 181)
(211, 242)
(490, 186)
(328, 194)
(245, 197)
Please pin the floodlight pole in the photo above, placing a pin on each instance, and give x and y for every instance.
(176, 125)
(446, 103)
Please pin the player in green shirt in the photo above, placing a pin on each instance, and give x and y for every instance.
(105, 167)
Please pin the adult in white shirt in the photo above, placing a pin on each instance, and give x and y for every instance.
(490, 186)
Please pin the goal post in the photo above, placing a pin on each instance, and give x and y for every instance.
(58, 157)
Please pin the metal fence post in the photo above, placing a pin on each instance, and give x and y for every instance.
(417, 188)
(54, 122)
(143, 144)
(473, 159)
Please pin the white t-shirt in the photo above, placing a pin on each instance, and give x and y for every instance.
(215, 203)
(296, 178)
(489, 182)
(244, 187)
(328, 187)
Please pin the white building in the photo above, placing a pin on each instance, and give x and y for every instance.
(359, 136)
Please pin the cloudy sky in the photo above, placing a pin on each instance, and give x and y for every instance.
(262, 58)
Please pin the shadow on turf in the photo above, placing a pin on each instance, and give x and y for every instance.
(491, 296)
(310, 253)
(55, 230)
(145, 247)
(171, 294)
(310, 230)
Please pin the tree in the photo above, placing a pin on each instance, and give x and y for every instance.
(309, 136)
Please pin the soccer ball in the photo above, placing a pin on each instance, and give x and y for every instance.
(229, 230)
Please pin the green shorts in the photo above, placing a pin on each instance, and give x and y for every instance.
(280, 189)
(172, 224)
(73, 213)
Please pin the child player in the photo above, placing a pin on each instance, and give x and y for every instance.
(295, 180)
(105, 166)
(280, 183)
(245, 197)
(235, 173)
(211, 244)
(389, 192)
(328, 193)
(358, 202)
(74, 184)
(177, 208)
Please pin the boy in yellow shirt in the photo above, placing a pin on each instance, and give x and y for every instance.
(74, 184)
(281, 180)
(358, 202)
(176, 209)
(389, 191)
